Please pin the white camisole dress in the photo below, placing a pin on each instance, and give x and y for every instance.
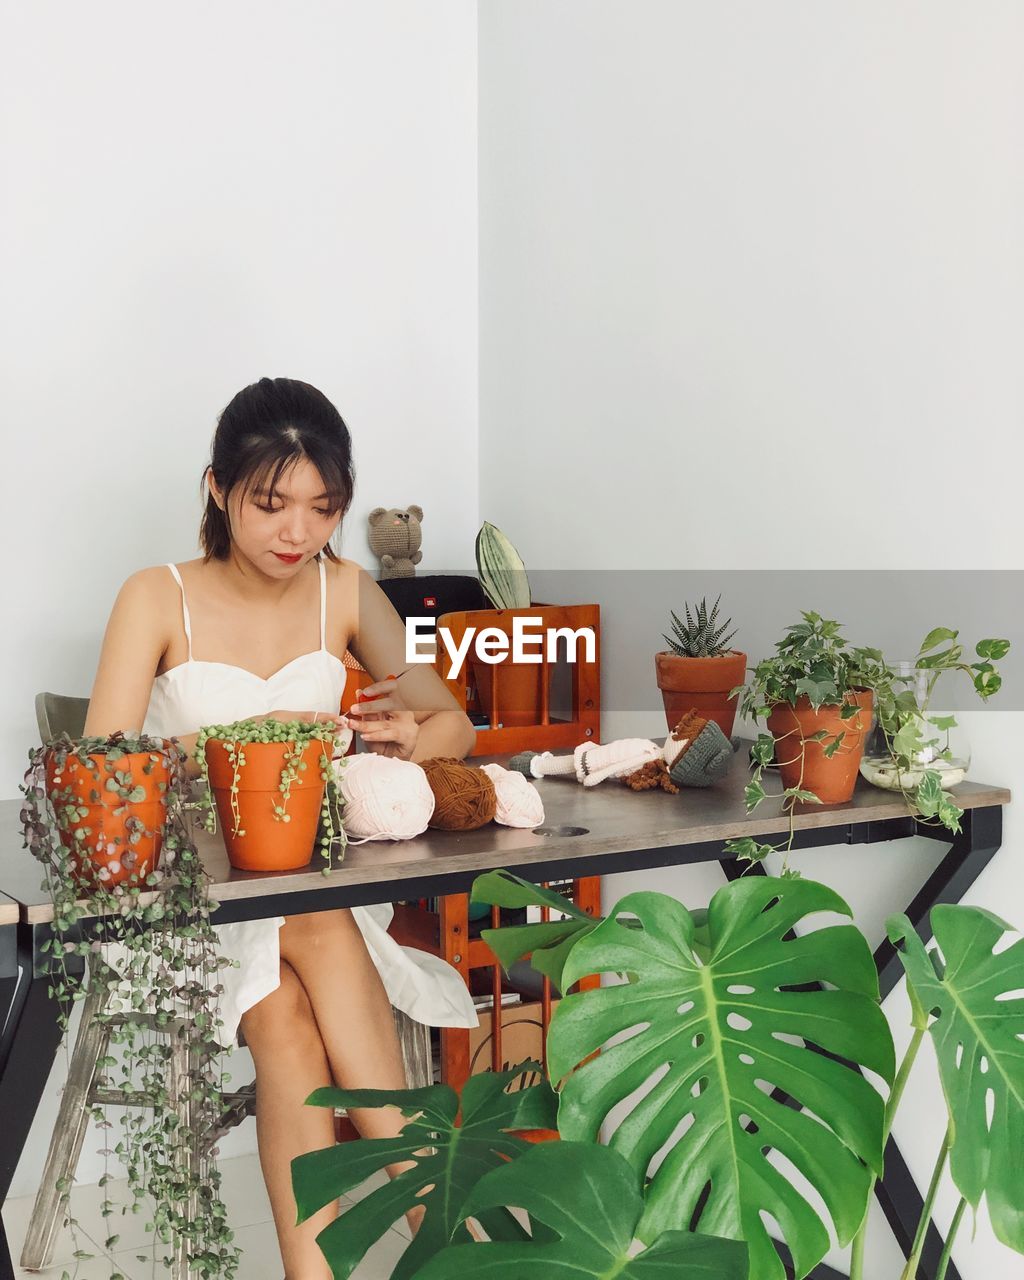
(198, 693)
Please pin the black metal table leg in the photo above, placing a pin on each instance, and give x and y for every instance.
(970, 851)
(29, 1041)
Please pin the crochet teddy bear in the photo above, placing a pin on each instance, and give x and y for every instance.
(394, 536)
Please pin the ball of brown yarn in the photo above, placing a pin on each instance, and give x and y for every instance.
(464, 797)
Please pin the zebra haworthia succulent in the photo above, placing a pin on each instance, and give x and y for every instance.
(700, 636)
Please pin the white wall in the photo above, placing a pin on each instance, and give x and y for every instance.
(194, 199)
(747, 262)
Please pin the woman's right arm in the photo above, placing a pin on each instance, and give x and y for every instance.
(133, 645)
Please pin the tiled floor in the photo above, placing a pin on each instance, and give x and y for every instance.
(248, 1214)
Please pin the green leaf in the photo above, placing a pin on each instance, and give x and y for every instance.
(763, 750)
(993, 649)
(548, 943)
(747, 850)
(501, 569)
(908, 740)
(834, 745)
(818, 691)
(941, 635)
(503, 889)
(801, 793)
(753, 794)
(928, 795)
(690, 1032)
(590, 1200)
(943, 723)
(950, 813)
(451, 1158)
(977, 1035)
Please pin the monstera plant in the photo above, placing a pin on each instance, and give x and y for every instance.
(730, 1050)
(590, 1203)
(582, 1202)
(707, 1015)
(720, 1040)
(968, 993)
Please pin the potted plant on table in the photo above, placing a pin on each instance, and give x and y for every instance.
(272, 783)
(106, 818)
(818, 696)
(912, 746)
(699, 671)
(506, 585)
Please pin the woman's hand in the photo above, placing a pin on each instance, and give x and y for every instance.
(383, 721)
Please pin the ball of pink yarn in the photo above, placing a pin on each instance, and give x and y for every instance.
(385, 798)
(519, 802)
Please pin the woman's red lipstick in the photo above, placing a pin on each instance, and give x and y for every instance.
(287, 559)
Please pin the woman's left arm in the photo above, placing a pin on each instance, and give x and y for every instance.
(414, 717)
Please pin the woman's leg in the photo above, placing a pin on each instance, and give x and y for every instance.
(352, 1011)
(281, 1032)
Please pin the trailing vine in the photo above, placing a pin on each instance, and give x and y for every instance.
(165, 980)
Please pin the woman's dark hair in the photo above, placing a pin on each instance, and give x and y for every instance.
(263, 432)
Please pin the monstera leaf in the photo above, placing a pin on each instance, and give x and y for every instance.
(452, 1154)
(975, 997)
(589, 1199)
(707, 1038)
(549, 941)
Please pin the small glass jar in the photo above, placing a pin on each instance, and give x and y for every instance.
(944, 747)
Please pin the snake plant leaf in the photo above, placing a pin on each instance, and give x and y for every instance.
(501, 569)
(974, 996)
(452, 1152)
(589, 1198)
(547, 942)
(704, 1039)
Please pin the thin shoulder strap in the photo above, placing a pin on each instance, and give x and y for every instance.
(323, 605)
(184, 608)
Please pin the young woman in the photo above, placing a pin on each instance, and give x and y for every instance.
(255, 628)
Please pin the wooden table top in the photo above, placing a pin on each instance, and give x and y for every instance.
(10, 911)
(614, 820)
(608, 819)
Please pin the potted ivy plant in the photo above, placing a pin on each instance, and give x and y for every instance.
(699, 671)
(271, 783)
(815, 693)
(106, 818)
(908, 749)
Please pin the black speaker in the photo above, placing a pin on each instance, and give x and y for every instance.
(434, 594)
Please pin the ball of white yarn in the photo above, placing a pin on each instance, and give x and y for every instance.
(385, 798)
(519, 802)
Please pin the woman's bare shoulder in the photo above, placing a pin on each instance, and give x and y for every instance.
(149, 597)
(152, 583)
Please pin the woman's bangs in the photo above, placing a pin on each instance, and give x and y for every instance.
(265, 478)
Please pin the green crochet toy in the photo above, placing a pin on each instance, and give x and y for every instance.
(695, 754)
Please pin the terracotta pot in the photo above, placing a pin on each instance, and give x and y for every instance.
(831, 779)
(701, 685)
(268, 843)
(108, 821)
